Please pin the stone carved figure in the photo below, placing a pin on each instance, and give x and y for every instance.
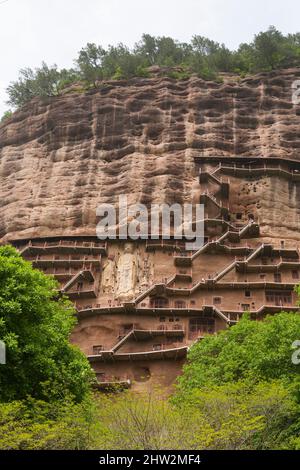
(108, 276)
(147, 273)
(127, 269)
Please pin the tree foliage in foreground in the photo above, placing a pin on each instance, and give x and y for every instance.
(36, 327)
(239, 390)
(251, 350)
(231, 417)
(250, 367)
(147, 421)
(242, 410)
(38, 425)
(201, 56)
(6, 115)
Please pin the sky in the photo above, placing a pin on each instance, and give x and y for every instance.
(32, 31)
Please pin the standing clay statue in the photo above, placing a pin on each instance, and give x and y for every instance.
(146, 273)
(108, 276)
(126, 274)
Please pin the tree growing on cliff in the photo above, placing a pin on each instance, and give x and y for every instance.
(269, 50)
(90, 63)
(202, 56)
(35, 327)
(120, 62)
(6, 115)
(43, 82)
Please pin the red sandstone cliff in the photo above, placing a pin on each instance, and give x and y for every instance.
(61, 157)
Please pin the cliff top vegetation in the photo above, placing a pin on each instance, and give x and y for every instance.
(201, 56)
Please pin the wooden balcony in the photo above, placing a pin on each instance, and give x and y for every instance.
(162, 354)
(61, 261)
(249, 160)
(183, 275)
(112, 383)
(168, 245)
(87, 311)
(35, 247)
(256, 284)
(183, 259)
(260, 170)
(140, 335)
(82, 293)
(267, 308)
(61, 274)
(99, 309)
(268, 268)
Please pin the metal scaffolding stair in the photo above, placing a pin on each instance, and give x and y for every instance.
(81, 274)
(188, 260)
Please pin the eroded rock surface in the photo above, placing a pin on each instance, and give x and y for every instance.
(61, 157)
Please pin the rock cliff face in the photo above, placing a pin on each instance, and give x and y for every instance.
(61, 157)
(233, 146)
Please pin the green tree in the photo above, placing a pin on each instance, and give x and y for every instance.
(120, 62)
(201, 56)
(246, 416)
(90, 63)
(148, 49)
(37, 425)
(163, 50)
(35, 325)
(147, 420)
(171, 52)
(244, 378)
(250, 350)
(204, 46)
(208, 419)
(43, 82)
(271, 49)
(6, 115)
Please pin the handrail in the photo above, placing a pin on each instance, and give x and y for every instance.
(258, 167)
(193, 255)
(65, 244)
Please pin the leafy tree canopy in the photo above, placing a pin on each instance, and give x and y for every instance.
(251, 350)
(35, 327)
(245, 376)
(43, 82)
(239, 390)
(6, 115)
(202, 56)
